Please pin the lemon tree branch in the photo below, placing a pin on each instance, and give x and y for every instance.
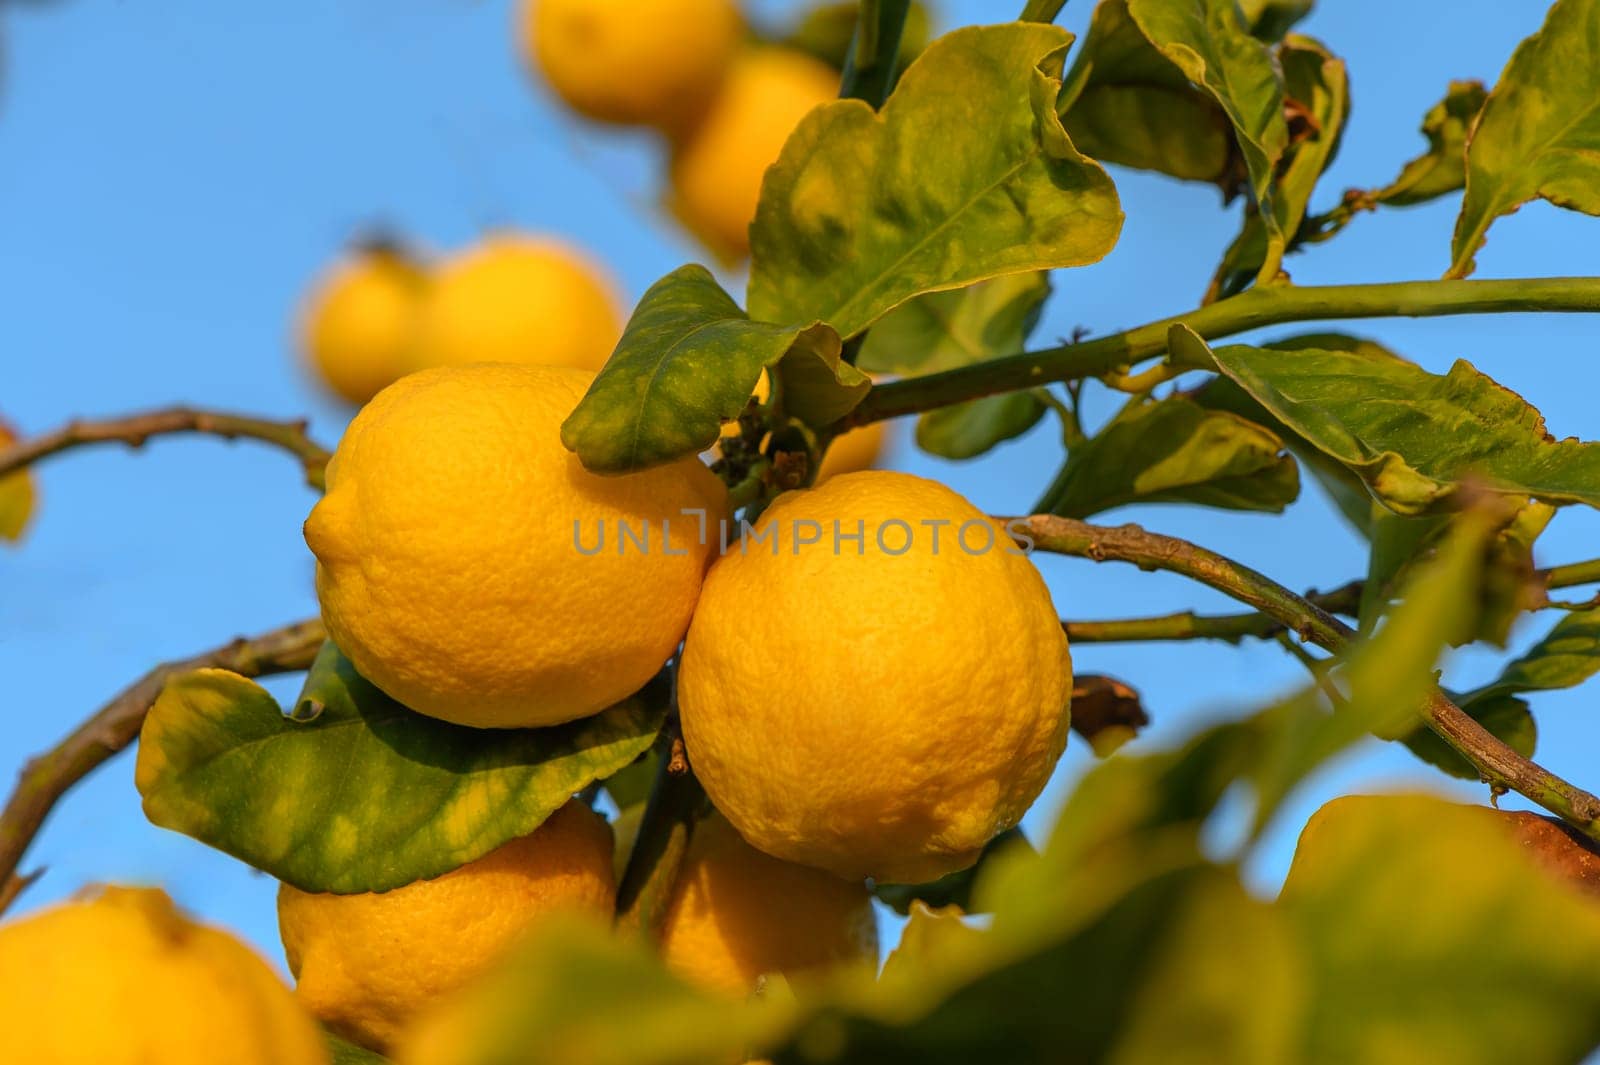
(135, 429)
(116, 724)
(1273, 305)
(1041, 10)
(1500, 766)
(676, 802)
(869, 67)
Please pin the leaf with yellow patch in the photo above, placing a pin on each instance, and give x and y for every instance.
(16, 495)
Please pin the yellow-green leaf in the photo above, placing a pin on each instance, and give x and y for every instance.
(966, 174)
(1568, 655)
(1126, 103)
(16, 495)
(687, 362)
(1432, 937)
(1174, 450)
(1269, 20)
(1315, 80)
(1209, 42)
(363, 795)
(1442, 168)
(1538, 136)
(1414, 437)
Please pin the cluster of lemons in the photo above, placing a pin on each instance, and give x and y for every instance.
(874, 700)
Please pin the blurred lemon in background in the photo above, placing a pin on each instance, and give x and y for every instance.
(359, 321)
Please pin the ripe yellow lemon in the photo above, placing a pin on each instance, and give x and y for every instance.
(632, 62)
(897, 700)
(716, 171)
(123, 978)
(521, 300)
(359, 321)
(471, 568)
(736, 914)
(366, 964)
(856, 450)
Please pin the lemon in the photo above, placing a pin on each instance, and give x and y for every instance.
(716, 171)
(16, 494)
(896, 701)
(366, 964)
(633, 62)
(518, 299)
(358, 322)
(736, 914)
(123, 978)
(471, 568)
(851, 452)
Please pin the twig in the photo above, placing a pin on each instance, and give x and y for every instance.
(1252, 309)
(1495, 762)
(1187, 625)
(135, 429)
(47, 777)
(1041, 10)
(676, 802)
(869, 68)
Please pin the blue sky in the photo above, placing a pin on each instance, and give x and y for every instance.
(174, 174)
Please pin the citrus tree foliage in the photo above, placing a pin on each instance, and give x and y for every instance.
(902, 251)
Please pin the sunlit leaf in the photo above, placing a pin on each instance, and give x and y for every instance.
(1174, 450)
(1432, 937)
(578, 993)
(1538, 133)
(16, 495)
(687, 362)
(1315, 80)
(1126, 103)
(1442, 168)
(854, 220)
(365, 795)
(1207, 40)
(1269, 20)
(1414, 437)
(944, 330)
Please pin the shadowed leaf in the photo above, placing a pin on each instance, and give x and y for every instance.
(853, 220)
(944, 330)
(366, 795)
(1174, 450)
(1269, 20)
(1126, 103)
(687, 362)
(1538, 136)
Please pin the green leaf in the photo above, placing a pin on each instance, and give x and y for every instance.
(1432, 937)
(1414, 437)
(1568, 655)
(1537, 135)
(1126, 103)
(687, 362)
(854, 220)
(944, 330)
(16, 495)
(577, 993)
(365, 795)
(1207, 40)
(1441, 169)
(341, 1052)
(826, 30)
(1175, 451)
(1316, 81)
(1269, 20)
(1347, 491)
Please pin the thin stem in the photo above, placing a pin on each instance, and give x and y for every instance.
(135, 429)
(116, 724)
(1187, 625)
(676, 802)
(1572, 573)
(1041, 10)
(1495, 762)
(869, 69)
(1252, 309)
